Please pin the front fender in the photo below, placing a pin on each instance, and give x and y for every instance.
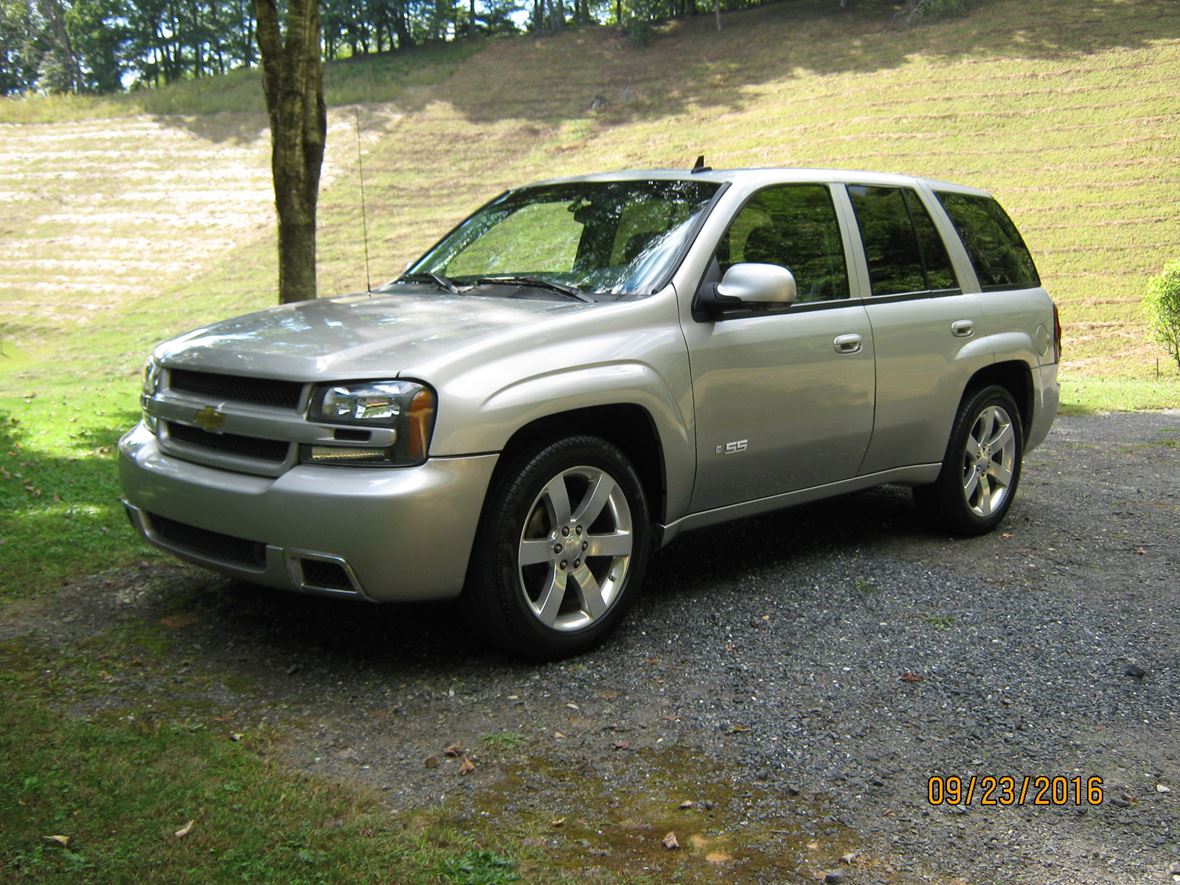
(486, 425)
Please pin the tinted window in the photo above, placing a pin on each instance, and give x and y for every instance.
(997, 252)
(793, 226)
(939, 274)
(891, 244)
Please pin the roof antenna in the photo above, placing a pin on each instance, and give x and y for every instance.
(699, 165)
(360, 166)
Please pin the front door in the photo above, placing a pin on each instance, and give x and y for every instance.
(783, 397)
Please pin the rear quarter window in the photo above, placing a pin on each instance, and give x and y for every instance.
(994, 245)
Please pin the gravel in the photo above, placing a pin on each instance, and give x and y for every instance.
(805, 673)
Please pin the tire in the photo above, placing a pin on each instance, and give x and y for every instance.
(562, 547)
(981, 468)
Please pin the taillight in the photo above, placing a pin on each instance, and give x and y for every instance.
(1056, 335)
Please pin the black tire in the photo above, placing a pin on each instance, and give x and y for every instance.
(981, 467)
(562, 597)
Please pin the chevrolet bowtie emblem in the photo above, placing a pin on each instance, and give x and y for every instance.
(210, 419)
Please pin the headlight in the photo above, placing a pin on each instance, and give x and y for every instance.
(405, 406)
(150, 387)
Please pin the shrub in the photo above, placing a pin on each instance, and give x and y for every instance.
(1163, 308)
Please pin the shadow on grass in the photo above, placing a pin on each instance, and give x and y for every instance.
(60, 515)
(689, 64)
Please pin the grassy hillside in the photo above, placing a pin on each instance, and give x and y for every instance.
(1072, 120)
(125, 220)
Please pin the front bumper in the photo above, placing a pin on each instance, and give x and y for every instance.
(383, 534)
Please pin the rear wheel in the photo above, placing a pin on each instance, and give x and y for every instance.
(562, 544)
(981, 468)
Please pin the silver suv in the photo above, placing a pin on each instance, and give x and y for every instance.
(585, 368)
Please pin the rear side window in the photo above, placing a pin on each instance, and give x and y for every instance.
(997, 252)
(903, 248)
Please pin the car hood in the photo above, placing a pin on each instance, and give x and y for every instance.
(357, 336)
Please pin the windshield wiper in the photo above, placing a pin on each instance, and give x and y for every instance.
(538, 283)
(430, 276)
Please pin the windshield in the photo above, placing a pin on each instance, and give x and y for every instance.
(617, 237)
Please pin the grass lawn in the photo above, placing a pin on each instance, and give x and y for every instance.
(128, 219)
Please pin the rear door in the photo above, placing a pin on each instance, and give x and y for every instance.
(783, 396)
(927, 332)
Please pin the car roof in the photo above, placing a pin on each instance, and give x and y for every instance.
(768, 175)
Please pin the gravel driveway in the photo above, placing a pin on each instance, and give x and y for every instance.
(798, 678)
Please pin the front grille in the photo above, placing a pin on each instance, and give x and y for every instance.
(272, 450)
(319, 573)
(224, 548)
(258, 391)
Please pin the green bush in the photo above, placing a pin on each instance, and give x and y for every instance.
(1163, 308)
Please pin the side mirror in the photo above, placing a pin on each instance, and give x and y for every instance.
(750, 283)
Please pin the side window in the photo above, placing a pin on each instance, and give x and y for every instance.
(903, 248)
(939, 274)
(997, 252)
(793, 226)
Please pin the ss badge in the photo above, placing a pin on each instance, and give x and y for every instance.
(732, 448)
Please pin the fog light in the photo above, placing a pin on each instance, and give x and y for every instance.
(347, 455)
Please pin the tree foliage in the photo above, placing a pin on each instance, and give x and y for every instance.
(79, 46)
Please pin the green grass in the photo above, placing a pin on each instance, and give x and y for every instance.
(120, 783)
(377, 78)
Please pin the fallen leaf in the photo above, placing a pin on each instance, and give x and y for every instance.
(432, 761)
(686, 804)
(1141, 551)
(907, 676)
(557, 822)
(58, 839)
(466, 766)
(670, 717)
(621, 745)
(572, 706)
(454, 750)
(184, 831)
(717, 857)
(235, 736)
(671, 842)
(739, 729)
(179, 621)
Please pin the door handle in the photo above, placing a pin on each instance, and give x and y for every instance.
(963, 328)
(850, 343)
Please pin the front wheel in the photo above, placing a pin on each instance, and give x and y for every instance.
(562, 544)
(981, 468)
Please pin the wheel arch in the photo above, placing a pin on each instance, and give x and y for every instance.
(626, 425)
(1015, 377)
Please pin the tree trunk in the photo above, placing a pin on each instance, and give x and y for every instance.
(292, 79)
